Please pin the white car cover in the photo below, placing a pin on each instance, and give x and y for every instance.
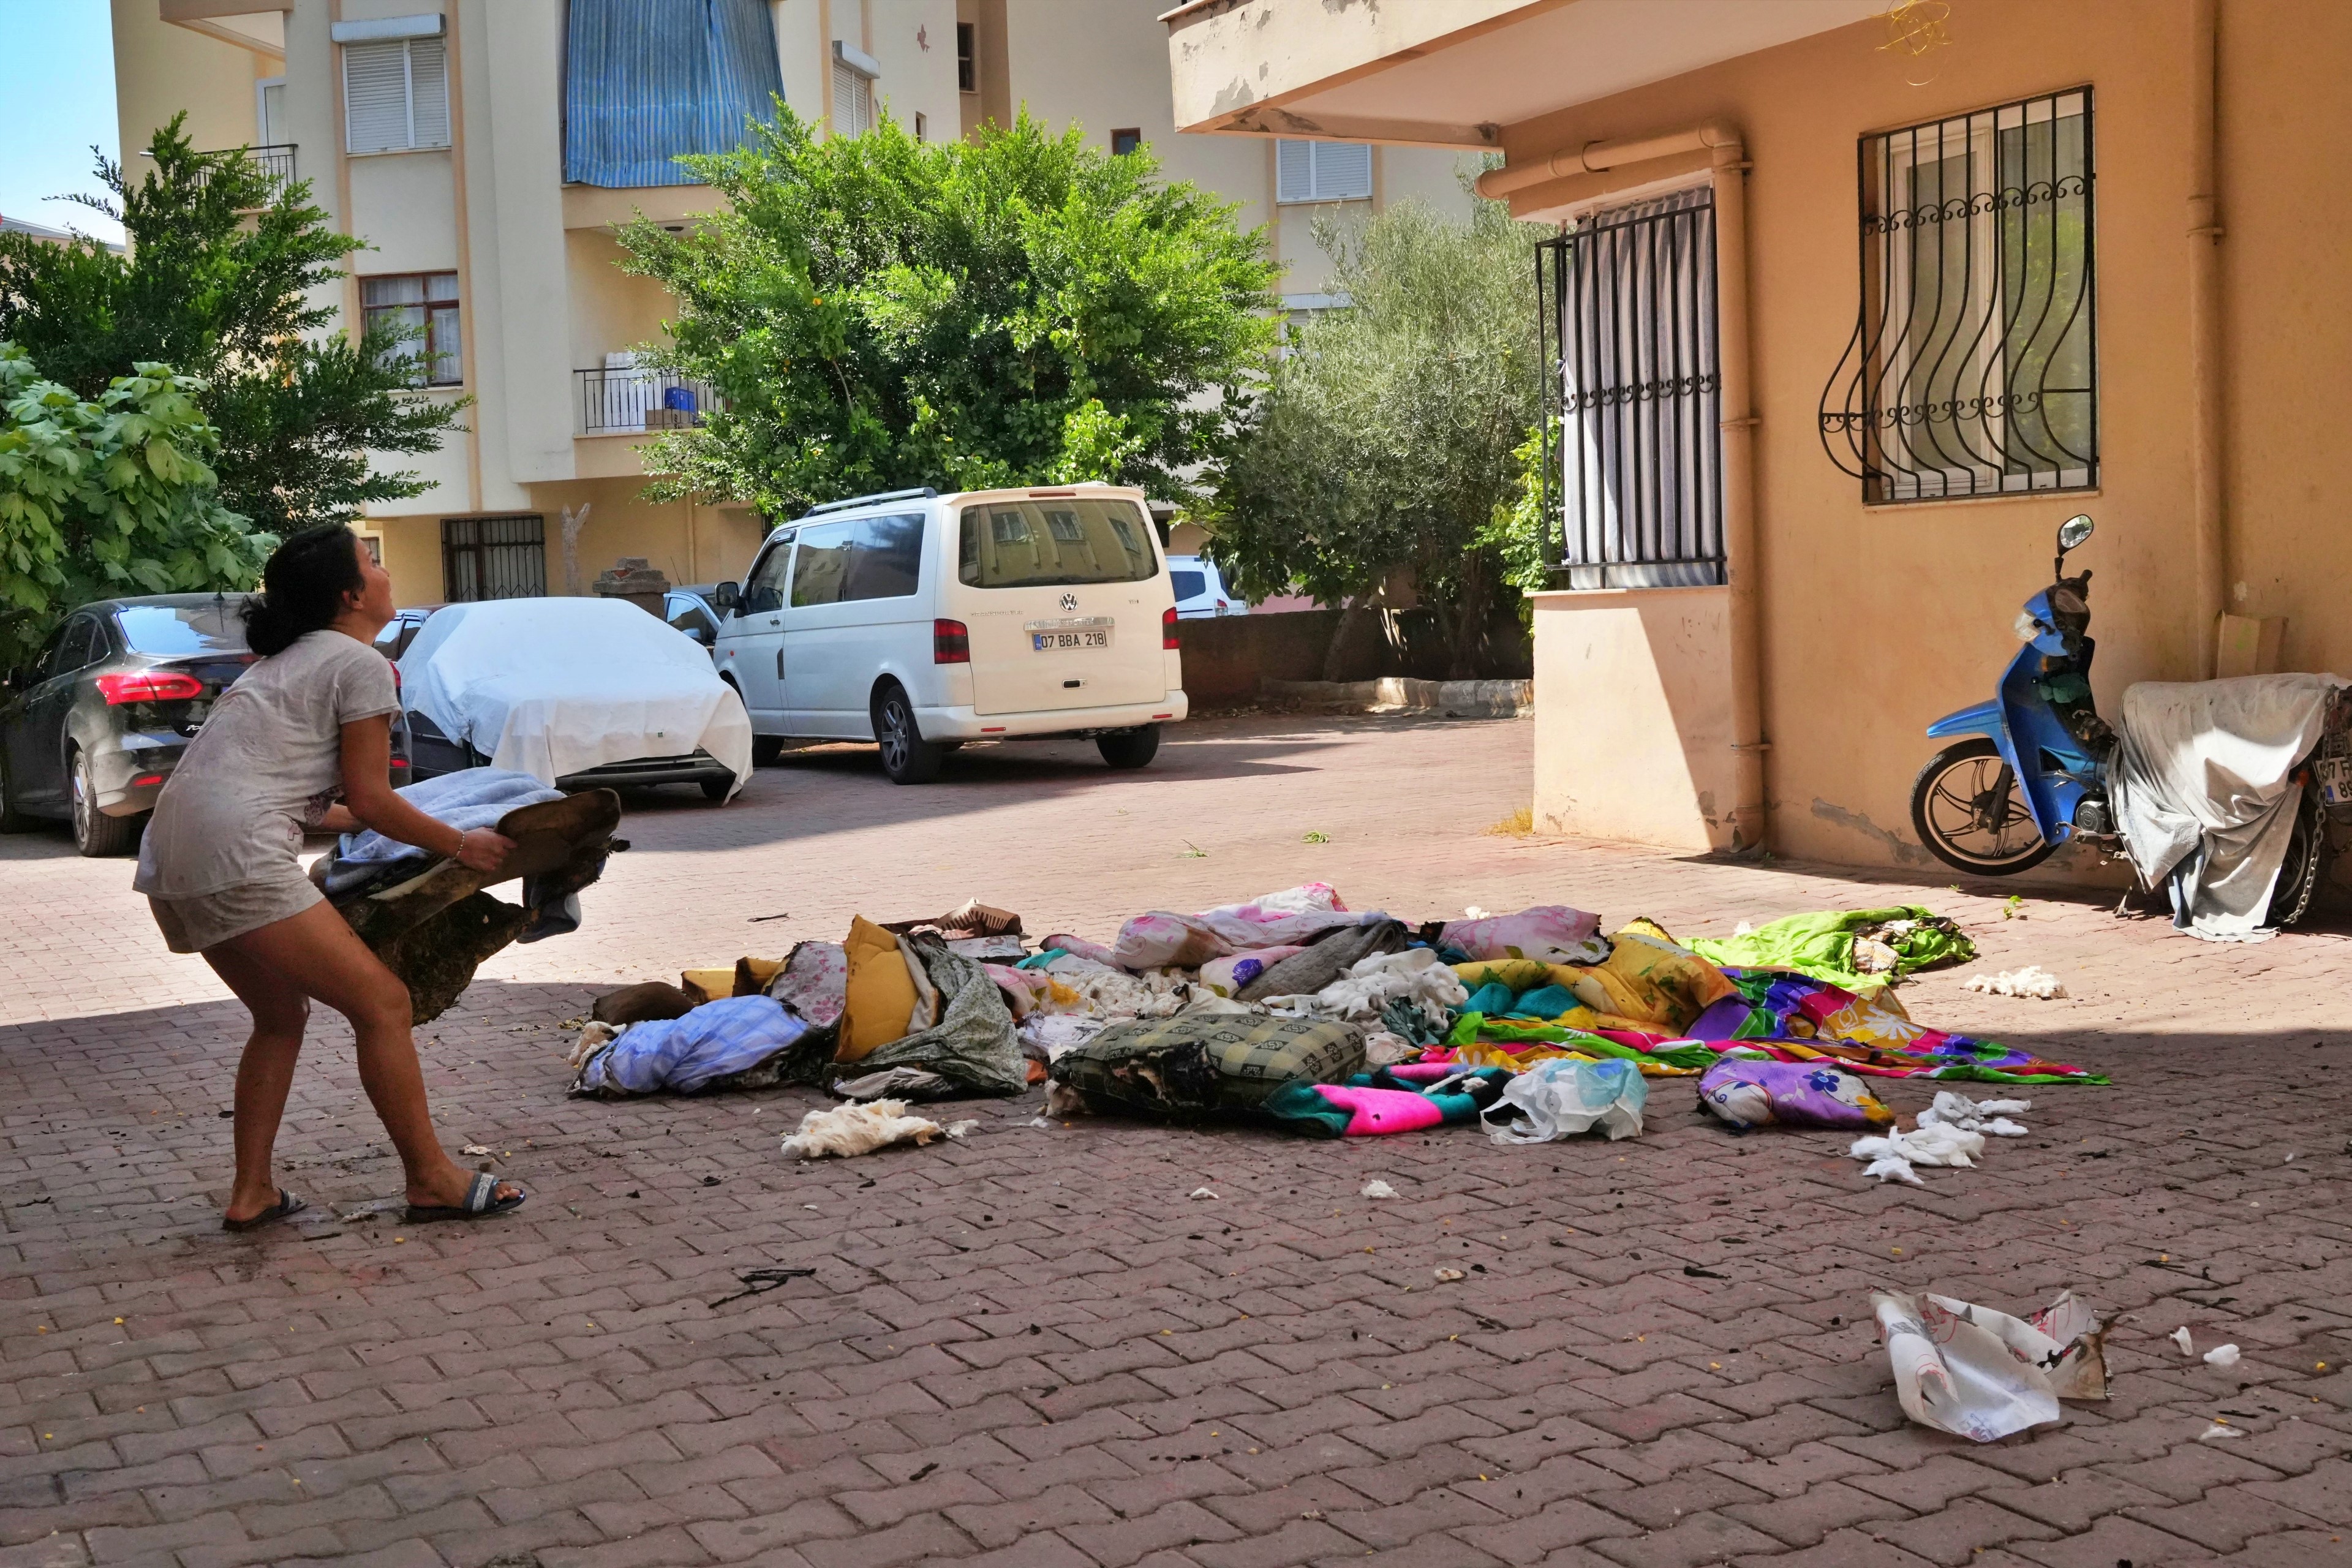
(554, 686)
(2202, 790)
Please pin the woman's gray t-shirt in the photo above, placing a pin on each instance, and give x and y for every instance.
(266, 765)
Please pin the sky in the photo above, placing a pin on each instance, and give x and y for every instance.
(56, 99)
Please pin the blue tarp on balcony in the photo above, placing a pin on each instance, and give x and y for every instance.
(645, 80)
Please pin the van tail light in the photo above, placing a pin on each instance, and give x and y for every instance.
(1168, 628)
(149, 685)
(951, 643)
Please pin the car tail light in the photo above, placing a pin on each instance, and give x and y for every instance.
(143, 780)
(951, 643)
(1168, 628)
(149, 685)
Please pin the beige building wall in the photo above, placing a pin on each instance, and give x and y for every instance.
(160, 69)
(1103, 64)
(1879, 619)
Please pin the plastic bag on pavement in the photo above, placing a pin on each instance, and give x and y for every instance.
(1982, 1374)
(1561, 1097)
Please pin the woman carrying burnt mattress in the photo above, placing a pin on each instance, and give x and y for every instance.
(307, 725)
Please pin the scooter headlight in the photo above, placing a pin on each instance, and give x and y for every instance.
(2027, 627)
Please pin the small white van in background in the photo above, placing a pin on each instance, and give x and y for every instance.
(922, 621)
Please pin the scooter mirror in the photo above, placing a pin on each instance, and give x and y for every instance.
(2073, 532)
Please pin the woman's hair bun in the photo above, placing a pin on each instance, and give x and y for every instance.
(303, 588)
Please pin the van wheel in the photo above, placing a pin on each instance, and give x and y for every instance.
(1129, 748)
(95, 833)
(906, 757)
(766, 750)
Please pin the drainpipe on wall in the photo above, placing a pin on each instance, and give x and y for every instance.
(2205, 333)
(1729, 179)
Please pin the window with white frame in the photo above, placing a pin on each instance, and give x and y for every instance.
(1322, 172)
(396, 95)
(853, 73)
(422, 306)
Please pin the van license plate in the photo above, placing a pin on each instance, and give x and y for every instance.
(1052, 642)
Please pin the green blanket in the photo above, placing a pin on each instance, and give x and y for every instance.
(1822, 945)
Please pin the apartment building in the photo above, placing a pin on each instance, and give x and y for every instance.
(483, 149)
(1850, 306)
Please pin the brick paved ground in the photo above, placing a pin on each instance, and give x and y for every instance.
(1034, 1350)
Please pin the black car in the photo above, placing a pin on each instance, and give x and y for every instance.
(93, 727)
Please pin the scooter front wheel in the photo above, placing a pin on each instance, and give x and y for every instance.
(1970, 810)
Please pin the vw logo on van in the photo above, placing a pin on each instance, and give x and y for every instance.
(1069, 601)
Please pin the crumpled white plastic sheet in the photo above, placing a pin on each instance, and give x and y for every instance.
(1989, 1117)
(1894, 1154)
(1952, 1132)
(1560, 1098)
(1982, 1374)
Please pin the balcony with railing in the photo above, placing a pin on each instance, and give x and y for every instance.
(630, 400)
(274, 163)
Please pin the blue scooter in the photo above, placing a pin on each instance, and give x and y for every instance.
(2033, 773)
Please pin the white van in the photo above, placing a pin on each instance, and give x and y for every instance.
(922, 621)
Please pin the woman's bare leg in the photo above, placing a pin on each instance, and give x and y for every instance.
(264, 1073)
(317, 954)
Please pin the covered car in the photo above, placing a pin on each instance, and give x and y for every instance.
(583, 693)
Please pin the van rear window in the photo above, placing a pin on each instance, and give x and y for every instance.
(1049, 544)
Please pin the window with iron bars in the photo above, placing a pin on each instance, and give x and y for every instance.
(1633, 397)
(1973, 367)
(493, 558)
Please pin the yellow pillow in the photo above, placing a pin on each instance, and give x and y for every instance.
(702, 985)
(1650, 977)
(881, 993)
(1518, 973)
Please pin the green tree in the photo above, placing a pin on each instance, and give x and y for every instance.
(876, 312)
(226, 279)
(1387, 437)
(108, 496)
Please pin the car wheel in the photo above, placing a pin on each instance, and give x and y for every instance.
(717, 789)
(766, 750)
(11, 819)
(906, 757)
(1129, 748)
(95, 833)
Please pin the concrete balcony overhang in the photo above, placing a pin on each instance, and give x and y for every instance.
(1451, 73)
(255, 25)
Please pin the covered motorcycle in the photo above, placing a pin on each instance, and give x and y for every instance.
(2218, 791)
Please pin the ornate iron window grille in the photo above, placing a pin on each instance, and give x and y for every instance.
(1973, 366)
(1633, 459)
(493, 558)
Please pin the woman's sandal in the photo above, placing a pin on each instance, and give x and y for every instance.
(480, 1201)
(286, 1205)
